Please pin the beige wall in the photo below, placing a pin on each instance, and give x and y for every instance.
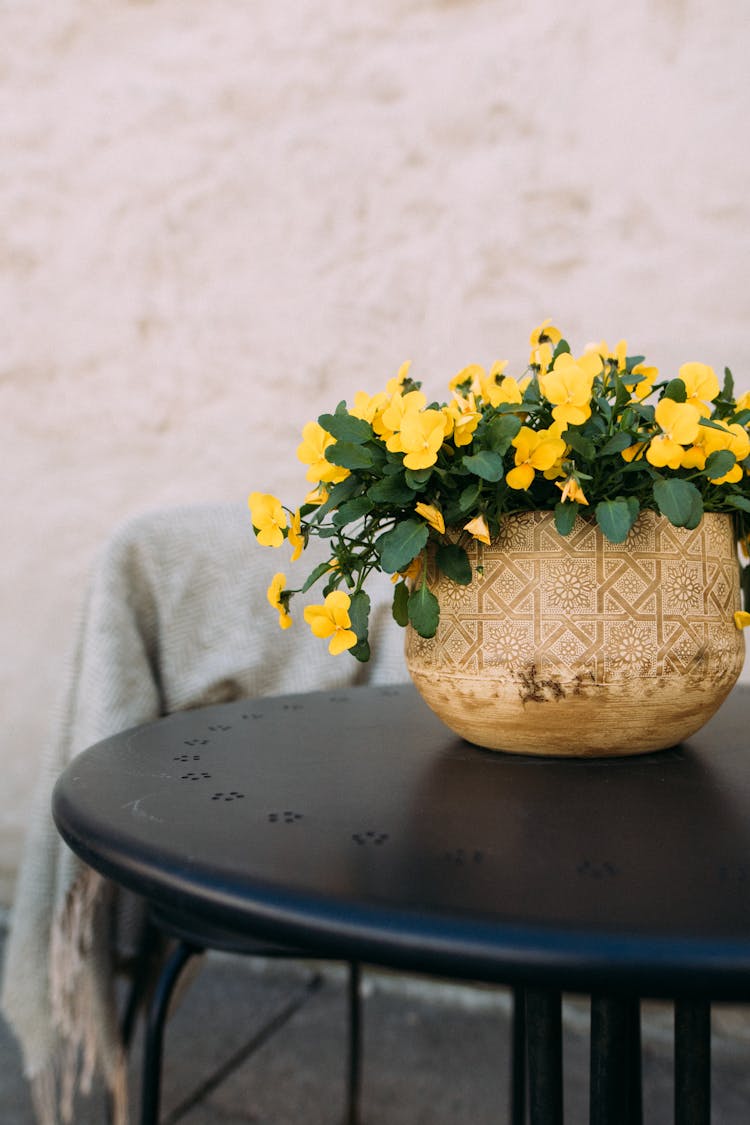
(217, 218)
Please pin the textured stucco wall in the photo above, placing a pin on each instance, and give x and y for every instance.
(219, 218)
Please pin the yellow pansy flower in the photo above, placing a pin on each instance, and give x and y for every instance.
(312, 451)
(535, 450)
(735, 438)
(568, 386)
(497, 388)
(432, 514)
(388, 425)
(273, 594)
(571, 490)
(393, 386)
(296, 538)
(268, 518)
(369, 407)
(742, 619)
(644, 388)
(701, 385)
(679, 422)
(465, 418)
(331, 619)
(743, 402)
(468, 379)
(421, 437)
(479, 528)
(543, 341)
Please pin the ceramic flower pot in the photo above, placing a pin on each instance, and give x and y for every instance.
(580, 647)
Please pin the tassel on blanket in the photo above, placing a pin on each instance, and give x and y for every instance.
(81, 979)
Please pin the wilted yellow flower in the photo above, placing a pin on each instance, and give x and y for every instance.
(268, 518)
(422, 434)
(331, 619)
(317, 496)
(569, 385)
(479, 528)
(273, 594)
(571, 490)
(701, 385)
(535, 450)
(742, 619)
(296, 538)
(412, 573)
(432, 514)
(679, 422)
(312, 451)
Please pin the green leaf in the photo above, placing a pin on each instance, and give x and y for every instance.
(565, 516)
(400, 600)
(616, 444)
(340, 492)
(678, 500)
(581, 444)
(391, 490)
(416, 478)
(469, 497)
(424, 611)
(360, 651)
(344, 427)
(485, 464)
(500, 433)
(562, 347)
(454, 562)
(398, 547)
(676, 390)
(349, 456)
(320, 570)
(741, 502)
(359, 614)
(352, 510)
(718, 463)
(742, 417)
(728, 388)
(616, 517)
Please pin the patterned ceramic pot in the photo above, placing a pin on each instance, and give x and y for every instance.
(580, 647)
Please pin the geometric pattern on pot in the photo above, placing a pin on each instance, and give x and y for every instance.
(581, 608)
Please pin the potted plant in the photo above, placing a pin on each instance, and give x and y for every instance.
(562, 545)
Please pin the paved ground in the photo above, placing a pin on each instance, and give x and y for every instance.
(434, 1055)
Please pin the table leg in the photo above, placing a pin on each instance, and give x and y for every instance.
(544, 1047)
(355, 1044)
(518, 1059)
(692, 1062)
(154, 1040)
(615, 1074)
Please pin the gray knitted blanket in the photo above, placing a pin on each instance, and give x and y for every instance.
(175, 617)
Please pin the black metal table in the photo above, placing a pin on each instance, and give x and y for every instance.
(353, 824)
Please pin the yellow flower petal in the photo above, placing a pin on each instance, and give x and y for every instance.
(742, 619)
(268, 518)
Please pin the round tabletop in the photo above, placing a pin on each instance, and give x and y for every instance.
(354, 824)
